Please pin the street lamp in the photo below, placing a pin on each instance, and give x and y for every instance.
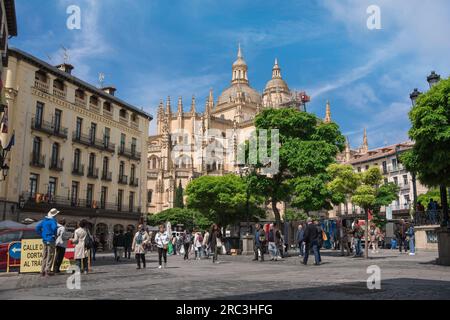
(414, 95)
(433, 79)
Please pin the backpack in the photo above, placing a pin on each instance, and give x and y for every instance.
(262, 236)
(187, 238)
(88, 243)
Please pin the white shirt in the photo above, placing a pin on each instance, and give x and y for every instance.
(161, 239)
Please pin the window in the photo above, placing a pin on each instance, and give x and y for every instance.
(394, 164)
(367, 168)
(396, 180)
(93, 100)
(34, 178)
(133, 117)
(119, 200)
(131, 202)
(133, 145)
(78, 128)
(36, 149)
(405, 180)
(121, 169)
(79, 94)
(58, 84)
(385, 167)
(40, 76)
(105, 166)
(107, 137)
(93, 132)
(51, 192)
(123, 113)
(91, 164)
(107, 106)
(89, 195)
(386, 181)
(149, 196)
(359, 169)
(55, 155)
(123, 138)
(57, 120)
(74, 193)
(76, 160)
(39, 114)
(132, 173)
(103, 197)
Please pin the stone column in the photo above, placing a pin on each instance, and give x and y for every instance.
(444, 246)
(248, 245)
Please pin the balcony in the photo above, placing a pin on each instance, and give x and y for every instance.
(61, 94)
(87, 140)
(123, 121)
(130, 153)
(76, 207)
(56, 165)
(49, 128)
(37, 160)
(78, 170)
(107, 113)
(134, 182)
(92, 173)
(40, 85)
(123, 179)
(106, 176)
(81, 102)
(135, 125)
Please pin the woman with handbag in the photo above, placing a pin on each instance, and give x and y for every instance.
(215, 241)
(162, 242)
(139, 245)
(81, 252)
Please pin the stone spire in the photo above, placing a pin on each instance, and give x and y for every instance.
(276, 71)
(328, 113)
(193, 106)
(210, 102)
(180, 105)
(168, 106)
(161, 109)
(347, 150)
(365, 146)
(240, 69)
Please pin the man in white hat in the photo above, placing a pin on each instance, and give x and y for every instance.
(47, 229)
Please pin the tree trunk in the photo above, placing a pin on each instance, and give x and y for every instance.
(366, 235)
(444, 203)
(276, 212)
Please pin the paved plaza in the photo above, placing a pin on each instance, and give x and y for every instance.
(238, 278)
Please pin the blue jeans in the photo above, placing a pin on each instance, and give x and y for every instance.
(301, 246)
(358, 247)
(412, 245)
(315, 246)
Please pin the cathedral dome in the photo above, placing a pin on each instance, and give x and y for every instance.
(246, 92)
(276, 83)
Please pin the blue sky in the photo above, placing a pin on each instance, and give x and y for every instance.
(151, 49)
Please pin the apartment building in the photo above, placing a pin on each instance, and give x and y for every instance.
(77, 148)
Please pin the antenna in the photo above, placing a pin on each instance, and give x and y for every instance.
(101, 79)
(49, 57)
(65, 54)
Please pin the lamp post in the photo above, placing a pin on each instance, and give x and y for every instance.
(433, 79)
(414, 95)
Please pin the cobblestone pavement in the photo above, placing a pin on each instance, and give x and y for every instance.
(238, 278)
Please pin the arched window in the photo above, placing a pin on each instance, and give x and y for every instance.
(149, 196)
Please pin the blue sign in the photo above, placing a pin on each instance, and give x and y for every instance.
(15, 250)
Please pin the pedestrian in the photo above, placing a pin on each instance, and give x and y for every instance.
(115, 240)
(62, 237)
(95, 247)
(272, 244)
(345, 240)
(47, 229)
(278, 242)
(179, 244)
(80, 240)
(260, 241)
(120, 245)
(401, 236)
(187, 240)
(373, 234)
(311, 238)
(139, 244)
(198, 244)
(215, 241)
(358, 234)
(206, 248)
(162, 242)
(128, 242)
(321, 238)
(412, 239)
(299, 238)
(174, 244)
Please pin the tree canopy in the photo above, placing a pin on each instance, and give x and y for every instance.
(223, 199)
(307, 147)
(189, 218)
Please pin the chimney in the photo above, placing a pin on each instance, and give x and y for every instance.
(65, 67)
(109, 90)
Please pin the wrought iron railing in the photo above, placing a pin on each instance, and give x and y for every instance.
(49, 128)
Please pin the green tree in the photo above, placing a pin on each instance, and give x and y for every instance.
(223, 199)
(295, 215)
(343, 181)
(179, 201)
(432, 194)
(430, 156)
(189, 218)
(307, 147)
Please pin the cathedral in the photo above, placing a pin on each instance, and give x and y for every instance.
(189, 144)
